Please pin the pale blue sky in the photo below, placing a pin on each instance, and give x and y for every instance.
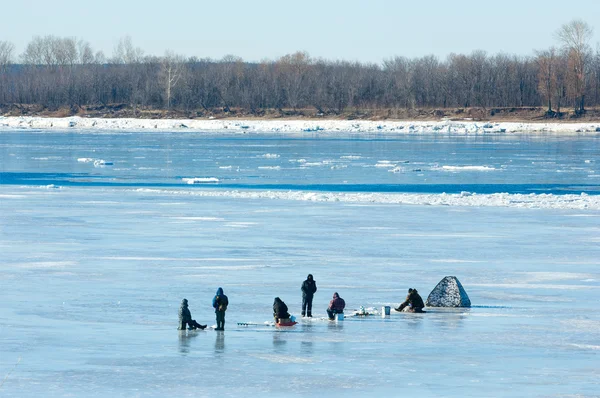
(353, 30)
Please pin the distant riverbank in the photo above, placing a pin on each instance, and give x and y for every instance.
(302, 126)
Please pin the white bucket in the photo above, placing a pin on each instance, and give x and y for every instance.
(385, 311)
(339, 317)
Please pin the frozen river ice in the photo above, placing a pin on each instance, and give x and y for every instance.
(95, 260)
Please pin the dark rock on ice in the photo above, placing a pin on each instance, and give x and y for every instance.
(448, 293)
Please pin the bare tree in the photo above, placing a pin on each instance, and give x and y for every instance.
(227, 79)
(33, 52)
(6, 54)
(399, 71)
(171, 69)
(126, 53)
(85, 52)
(575, 37)
(546, 61)
(596, 74)
(292, 70)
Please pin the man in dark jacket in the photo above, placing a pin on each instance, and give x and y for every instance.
(413, 301)
(280, 310)
(336, 306)
(220, 303)
(185, 318)
(309, 287)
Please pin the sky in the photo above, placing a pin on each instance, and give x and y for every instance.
(366, 31)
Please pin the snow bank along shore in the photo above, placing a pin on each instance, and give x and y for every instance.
(299, 126)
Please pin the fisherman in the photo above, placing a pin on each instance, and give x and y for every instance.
(336, 306)
(413, 301)
(309, 287)
(185, 318)
(280, 311)
(220, 303)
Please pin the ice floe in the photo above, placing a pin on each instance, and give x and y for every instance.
(102, 163)
(467, 199)
(200, 180)
(467, 168)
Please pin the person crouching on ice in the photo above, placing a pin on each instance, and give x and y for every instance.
(280, 311)
(220, 303)
(185, 318)
(413, 301)
(336, 306)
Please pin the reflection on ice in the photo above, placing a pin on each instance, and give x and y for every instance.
(220, 342)
(184, 340)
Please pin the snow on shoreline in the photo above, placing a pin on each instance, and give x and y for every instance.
(298, 126)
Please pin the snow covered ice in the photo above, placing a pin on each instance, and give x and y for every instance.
(93, 270)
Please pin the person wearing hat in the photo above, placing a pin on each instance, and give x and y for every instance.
(185, 318)
(336, 306)
(220, 303)
(309, 288)
(413, 301)
(280, 311)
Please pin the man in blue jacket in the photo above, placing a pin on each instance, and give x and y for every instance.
(220, 303)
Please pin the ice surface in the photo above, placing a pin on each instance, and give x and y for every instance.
(92, 274)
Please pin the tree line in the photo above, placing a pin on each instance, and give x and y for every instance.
(55, 72)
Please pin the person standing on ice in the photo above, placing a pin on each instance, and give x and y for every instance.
(309, 288)
(280, 311)
(185, 318)
(413, 301)
(220, 303)
(336, 306)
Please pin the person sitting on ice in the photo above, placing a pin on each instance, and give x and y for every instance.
(336, 306)
(280, 311)
(413, 301)
(185, 318)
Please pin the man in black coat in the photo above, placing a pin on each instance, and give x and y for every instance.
(309, 287)
(280, 310)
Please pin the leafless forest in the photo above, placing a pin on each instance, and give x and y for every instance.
(65, 73)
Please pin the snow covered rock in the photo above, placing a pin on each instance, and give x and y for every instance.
(448, 293)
